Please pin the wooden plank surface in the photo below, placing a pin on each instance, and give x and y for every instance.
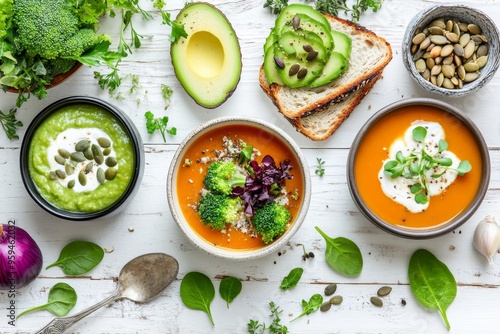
(475, 309)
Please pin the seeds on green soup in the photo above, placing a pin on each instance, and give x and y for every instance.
(97, 152)
(88, 154)
(63, 153)
(71, 184)
(104, 142)
(82, 145)
(60, 174)
(111, 161)
(101, 178)
(78, 156)
(106, 151)
(60, 160)
(110, 173)
(89, 167)
(82, 178)
(69, 168)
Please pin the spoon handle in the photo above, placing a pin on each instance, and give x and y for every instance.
(61, 324)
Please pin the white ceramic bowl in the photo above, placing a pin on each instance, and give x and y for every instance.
(262, 130)
(464, 14)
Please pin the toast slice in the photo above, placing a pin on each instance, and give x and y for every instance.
(370, 54)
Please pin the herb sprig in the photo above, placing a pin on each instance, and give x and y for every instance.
(158, 123)
(276, 327)
(332, 7)
(417, 165)
(10, 123)
(320, 169)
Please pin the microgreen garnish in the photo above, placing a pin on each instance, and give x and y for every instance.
(418, 163)
(10, 123)
(320, 169)
(245, 155)
(275, 5)
(255, 327)
(306, 254)
(158, 123)
(166, 92)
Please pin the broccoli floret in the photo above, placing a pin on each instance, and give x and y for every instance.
(217, 210)
(270, 221)
(43, 26)
(222, 176)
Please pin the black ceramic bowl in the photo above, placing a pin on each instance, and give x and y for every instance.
(81, 159)
(459, 130)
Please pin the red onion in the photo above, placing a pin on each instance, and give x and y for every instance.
(20, 257)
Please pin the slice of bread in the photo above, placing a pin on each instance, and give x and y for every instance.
(321, 125)
(370, 54)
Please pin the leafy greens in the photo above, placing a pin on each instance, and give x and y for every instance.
(62, 298)
(229, 288)
(79, 257)
(198, 292)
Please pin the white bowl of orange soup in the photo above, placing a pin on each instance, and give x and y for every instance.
(419, 168)
(270, 172)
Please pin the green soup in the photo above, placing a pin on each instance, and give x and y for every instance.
(60, 182)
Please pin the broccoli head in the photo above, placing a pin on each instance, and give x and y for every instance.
(270, 221)
(216, 210)
(222, 176)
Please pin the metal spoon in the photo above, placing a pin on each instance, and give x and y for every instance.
(140, 280)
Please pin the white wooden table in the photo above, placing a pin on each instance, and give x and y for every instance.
(146, 225)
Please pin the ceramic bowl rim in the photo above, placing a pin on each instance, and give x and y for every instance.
(425, 16)
(226, 253)
(431, 232)
(132, 132)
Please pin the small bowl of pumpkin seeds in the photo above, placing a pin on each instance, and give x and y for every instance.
(81, 159)
(451, 50)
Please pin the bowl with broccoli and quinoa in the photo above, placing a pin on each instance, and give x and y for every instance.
(238, 188)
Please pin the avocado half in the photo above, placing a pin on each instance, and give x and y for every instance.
(208, 61)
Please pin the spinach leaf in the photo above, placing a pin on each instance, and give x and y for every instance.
(197, 292)
(62, 298)
(229, 288)
(309, 307)
(343, 255)
(292, 279)
(431, 282)
(79, 257)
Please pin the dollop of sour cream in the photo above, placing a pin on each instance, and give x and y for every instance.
(398, 189)
(67, 140)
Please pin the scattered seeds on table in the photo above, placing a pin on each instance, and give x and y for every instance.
(330, 289)
(376, 301)
(325, 306)
(336, 300)
(384, 291)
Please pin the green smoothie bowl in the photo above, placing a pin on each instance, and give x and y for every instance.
(81, 159)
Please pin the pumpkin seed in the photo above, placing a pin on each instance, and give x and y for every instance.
(111, 161)
(420, 65)
(448, 70)
(89, 167)
(101, 177)
(279, 62)
(418, 55)
(69, 168)
(446, 50)
(330, 289)
(104, 142)
(449, 25)
(436, 69)
(336, 300)
(469, 77)
(471, 67)
(294, 69)
(440, 79)
(456, 29)
(110, 173)
(469, 49)
(448, 84)
(88, 153)
(302, 73)
(458, 49)
(481, 61)
(296, 22)
(376, 301)
(448, 60)
(461, 72)
(433, 80)
(63, 153)
(82, 145)
(418, 38)
(384, 291)
(307, 48)
(454, 81)
(464, 40)
(82, 178)
(452, 37)
(312, 55)
(106, 151)
(430, 62)
(71, 184)
(53, 175)
(60, 160)
(436, 51)
(463, 27)
(457, 60)
(78, 156)
(425, 43)
(438, 39)
(436, 30)
(438, 23)
(97, 152)
(60, 174)
(427, 74)
(482, 50)
(325, 306)
(474, 29)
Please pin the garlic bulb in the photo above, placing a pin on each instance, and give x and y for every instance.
(487, 237)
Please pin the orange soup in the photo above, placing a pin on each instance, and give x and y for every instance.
(374, 148)
(190, 180)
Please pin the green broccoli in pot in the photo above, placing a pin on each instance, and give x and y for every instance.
(217, 210)
(222, 176)
(270, 221)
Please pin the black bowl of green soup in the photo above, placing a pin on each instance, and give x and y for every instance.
(81, 159)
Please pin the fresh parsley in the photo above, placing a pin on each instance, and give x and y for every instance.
(10, 123)
(158, 123)
(320, 169)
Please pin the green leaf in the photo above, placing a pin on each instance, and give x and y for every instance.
(421, 198)
(79, 257)
(464, 167)
(400, 157)
(99, 55)
(229, 288)
(431, 282)
(245, 155)
(444, 162)
(415, 188)
(390, 165)
(197, 292)
(62, 298)
(10, 123)
(309, 307)
(343, 255)
(442, 145)
(419, 133)
(291, 279)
